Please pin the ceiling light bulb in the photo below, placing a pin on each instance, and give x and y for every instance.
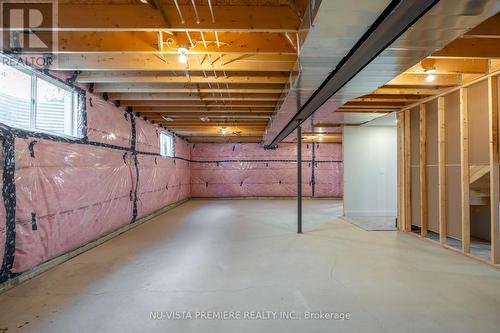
(430, 74)
(223, 131)
(144, 1)
(183, 54)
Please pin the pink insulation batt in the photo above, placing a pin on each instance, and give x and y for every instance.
(248, 170)
(69, 194)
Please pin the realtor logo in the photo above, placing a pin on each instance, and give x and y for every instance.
(28, 26)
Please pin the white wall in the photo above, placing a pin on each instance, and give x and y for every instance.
(370, 170)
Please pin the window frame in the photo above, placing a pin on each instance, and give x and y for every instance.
(78, 107)
(172, 146)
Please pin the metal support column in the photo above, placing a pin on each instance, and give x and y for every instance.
(299, 180)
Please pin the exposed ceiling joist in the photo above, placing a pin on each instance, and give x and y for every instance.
(197, 103)
(188, 88)
(477, 48)
(450, 66)
(140, 17)
(194, 97)
(138, 42)
(181, 77)
(170, 62)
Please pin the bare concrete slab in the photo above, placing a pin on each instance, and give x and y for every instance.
(244, 255)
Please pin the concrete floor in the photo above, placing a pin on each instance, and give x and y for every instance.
(244, 255)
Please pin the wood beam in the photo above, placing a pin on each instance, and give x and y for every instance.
(192, 77)
(170, 62)
(442, 170)
(489, 28)
(493, 119)
(481, 48)
(388, 98)
(374, 104)
(137, 42)
(419, 79)
(188, 88)
(224, 139)
(140, 17)
(342, 110)
(257, 105)
(423, 171)
(451, 66)
(402, 90)
(464, 166)
(194, 97)
(173, 112)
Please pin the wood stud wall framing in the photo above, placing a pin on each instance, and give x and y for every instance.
(404, 172)
(493, 119)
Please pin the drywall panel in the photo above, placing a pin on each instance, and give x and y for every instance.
(370, 160)
(478, 124)
(452, 128)
(453, 202)
(431, 117)
(432, 198)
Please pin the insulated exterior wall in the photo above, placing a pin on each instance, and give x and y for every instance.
(248, 170)
(70, 192)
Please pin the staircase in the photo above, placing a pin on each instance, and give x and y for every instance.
(479, 194)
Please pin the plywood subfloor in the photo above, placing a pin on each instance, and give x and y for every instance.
(244, 255)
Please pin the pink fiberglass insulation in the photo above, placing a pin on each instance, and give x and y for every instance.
(70, 193)
(106, 123)
(162, 180)
(77, 193)
(148, 136)
(246, 170)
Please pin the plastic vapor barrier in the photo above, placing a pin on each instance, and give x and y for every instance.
(60, 193)
(248, 170)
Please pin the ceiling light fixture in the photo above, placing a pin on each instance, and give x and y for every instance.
(430, 74)
(223, 130)
(183, 52)
(205, 119)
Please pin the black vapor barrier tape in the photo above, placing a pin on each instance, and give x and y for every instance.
(9, 201)
(133, 144)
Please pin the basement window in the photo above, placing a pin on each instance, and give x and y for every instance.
(30, 100)
(167, 144)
